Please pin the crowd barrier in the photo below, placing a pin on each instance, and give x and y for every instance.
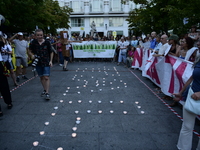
(169, 72)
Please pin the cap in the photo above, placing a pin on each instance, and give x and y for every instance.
(173, 37)
(47, 38)
(20, 33)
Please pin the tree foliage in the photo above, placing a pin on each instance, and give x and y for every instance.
(159, 16)
(25, 15)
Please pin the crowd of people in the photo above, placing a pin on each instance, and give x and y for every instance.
(44, 47)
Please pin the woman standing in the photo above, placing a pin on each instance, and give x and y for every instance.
(186, 133)
(4, 87)
(6, 55)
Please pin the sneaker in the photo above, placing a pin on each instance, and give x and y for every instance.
(43, 93)
(47, 96)
(17, 79)
(24, 77)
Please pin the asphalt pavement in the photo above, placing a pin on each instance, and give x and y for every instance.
(93, 106)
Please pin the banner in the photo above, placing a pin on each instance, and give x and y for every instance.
(94, 49)
(169, 72)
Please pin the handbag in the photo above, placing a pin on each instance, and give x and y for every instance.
(192, 105)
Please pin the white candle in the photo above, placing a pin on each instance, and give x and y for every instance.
(137, 102)
(61, 101)
(78, 122)
(111, 111)
(46, 123)
(121, 102)
(90, 101)
(73, 134)
(59, 148)
(78, 118)
(88, 111)
(125, 112)
(139, 107)
(55, 107)
(100, 111)
(42, 132)
(76, 112)
(142, 112)
(79, 101)
(74, 128)
(70, 102)
(53, 114)
(99, 101)
(111, 101)
(35, 143)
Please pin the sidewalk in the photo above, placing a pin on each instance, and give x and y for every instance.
(107, 107)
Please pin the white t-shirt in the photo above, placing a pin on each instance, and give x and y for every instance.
(6, 57)
(20, 48)
(163, 49)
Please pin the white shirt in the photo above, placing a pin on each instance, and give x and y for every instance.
(6, 57)
(163, 48)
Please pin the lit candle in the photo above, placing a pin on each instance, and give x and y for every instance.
(61, 101)
(35, 143)
(111, 101)
(70, 102)
(74, 128)
(121, 102)
(41, 132)
(55, 107)
(142, 112)
(125, 112)
(78, 118)
(76, 112)
(46, 123)
(53, 114)
(137, 102)
(100, 111)
(78, 121)
(111, 111)
(73, 134)
(59, 148)
(64, 94)
(90, 101)
(139, 107)
(88, 111)
(79, 101)
(78, 92)
(99, 101)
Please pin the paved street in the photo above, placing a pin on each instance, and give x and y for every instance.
(104, 106)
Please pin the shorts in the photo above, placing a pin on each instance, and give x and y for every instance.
(66, 58)
(11, 65)
(43, 71)
(21, 61)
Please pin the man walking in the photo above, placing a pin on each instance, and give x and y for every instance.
(41, 48)
(21, 51)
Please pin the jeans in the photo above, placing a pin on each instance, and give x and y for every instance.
(61, 60)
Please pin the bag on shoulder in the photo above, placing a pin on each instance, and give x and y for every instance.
(192, 105)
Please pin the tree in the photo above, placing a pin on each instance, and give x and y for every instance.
(25, 15)
(159, 15)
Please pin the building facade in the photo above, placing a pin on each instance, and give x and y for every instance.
(108, 15)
